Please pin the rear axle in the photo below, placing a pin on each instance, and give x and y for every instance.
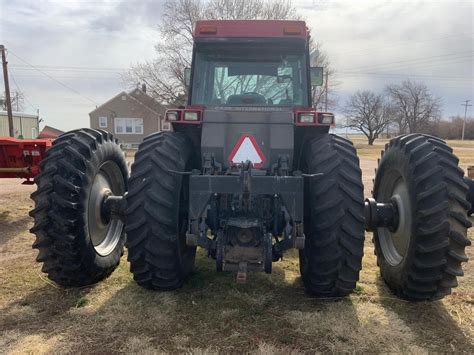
(378, 214)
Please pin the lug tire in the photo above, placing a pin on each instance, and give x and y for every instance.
(157, 212)
(470, 194)
(61, 214)
(436, 238)
(334, 224)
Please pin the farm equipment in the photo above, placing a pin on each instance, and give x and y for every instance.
(20, 158)
(249, 172)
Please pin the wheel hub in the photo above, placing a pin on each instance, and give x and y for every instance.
(104, 229)
(394, 241)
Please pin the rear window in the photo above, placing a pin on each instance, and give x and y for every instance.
(245, 78)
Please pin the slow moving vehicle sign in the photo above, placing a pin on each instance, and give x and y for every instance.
(245, 149)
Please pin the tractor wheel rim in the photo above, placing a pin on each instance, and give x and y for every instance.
(395, 242)
(104, 232)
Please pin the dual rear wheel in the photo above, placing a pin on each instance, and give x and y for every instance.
(334, 217)
(157, 212)
(76, 244)
(419, 259)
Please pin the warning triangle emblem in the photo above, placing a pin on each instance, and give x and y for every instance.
(245, 149)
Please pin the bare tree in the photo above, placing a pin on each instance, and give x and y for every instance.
(415, 107)
(451, 128)
(399, 120)
(17, 100)
(320, 59)
(368, 113)
(164, 76)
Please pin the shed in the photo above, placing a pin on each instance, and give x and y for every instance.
(25, 125)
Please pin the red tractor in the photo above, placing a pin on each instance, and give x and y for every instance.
(250, 171)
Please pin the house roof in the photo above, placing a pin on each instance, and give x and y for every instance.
(50, 132)
(139, 96)
(146, 99)
(19, 114)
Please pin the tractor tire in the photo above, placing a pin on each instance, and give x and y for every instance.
(77, 246)
(334, 218)
(470, 194)
(421, 258)
(157, 212)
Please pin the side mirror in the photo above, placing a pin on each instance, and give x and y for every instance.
(316, 76)
(187, 76)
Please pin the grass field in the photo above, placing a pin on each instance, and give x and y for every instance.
(271, 313)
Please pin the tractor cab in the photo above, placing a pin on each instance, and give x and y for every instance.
(259, 72)
(245, 77)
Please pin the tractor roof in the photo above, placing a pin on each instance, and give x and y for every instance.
(251, 29)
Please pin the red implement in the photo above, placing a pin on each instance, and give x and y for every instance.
(20, 158)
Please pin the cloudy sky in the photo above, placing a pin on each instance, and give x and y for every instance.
(66, 56)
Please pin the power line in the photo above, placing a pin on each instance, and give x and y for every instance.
(69, 77)
(402, 44)
(381, 73)
(7, 90)
(24, 93)
(439, 62)
(466, 105)
(415, 61)
(54, 79)
(429, 63)
(433, 77)
(404, 74)
(70, 69)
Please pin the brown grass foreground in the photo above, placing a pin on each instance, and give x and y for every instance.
(271, 313)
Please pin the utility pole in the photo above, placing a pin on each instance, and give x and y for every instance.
(466, 105)
(326, 92)
(7, 90)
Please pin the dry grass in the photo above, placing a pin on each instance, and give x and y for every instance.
(270, 314)
(463, 149)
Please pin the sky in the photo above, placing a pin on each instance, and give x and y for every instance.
(67, 56)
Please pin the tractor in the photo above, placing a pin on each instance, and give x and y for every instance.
(248, 172)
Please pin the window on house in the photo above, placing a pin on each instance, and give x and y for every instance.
(103, 122)
(34, 132)
(139, 127)
(128, 125)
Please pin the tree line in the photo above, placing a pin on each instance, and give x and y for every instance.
(403, 108)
